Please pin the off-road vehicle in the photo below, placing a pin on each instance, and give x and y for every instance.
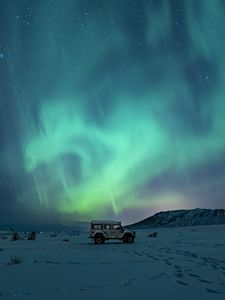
(101, 231)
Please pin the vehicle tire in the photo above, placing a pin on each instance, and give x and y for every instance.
(129, 239)
(99, 239)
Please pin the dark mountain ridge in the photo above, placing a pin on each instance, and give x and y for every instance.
(181, 218)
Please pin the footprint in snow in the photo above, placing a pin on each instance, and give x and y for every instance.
(182, 282)
(34, 261)
(193, 275)
(177, 267)
(212, 291)
(195, 255)
(214, 267)
(178, 274)
(221, 282)
(155, 258)
(129, 282)
(52, 262)
(167, 262)
(139, 254)
(204, 280)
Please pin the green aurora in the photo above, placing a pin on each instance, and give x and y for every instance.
(118, 107)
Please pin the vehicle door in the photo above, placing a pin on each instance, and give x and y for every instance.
(117, 231)
(107, 228)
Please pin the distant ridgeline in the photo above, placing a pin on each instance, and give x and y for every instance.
(179, 218)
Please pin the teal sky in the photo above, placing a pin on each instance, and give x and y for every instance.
(110, 109)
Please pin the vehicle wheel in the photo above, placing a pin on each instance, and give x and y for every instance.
(99, 239)
(130, 239)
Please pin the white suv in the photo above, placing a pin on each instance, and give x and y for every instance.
(101, 231)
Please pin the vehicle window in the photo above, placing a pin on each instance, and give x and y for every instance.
(116, 227)
(96, 226)
(107, 227)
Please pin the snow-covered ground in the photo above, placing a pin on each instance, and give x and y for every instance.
(181, 263)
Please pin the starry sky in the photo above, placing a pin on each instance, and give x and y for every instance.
(110, 109)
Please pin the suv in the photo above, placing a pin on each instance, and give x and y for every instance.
(101, 231)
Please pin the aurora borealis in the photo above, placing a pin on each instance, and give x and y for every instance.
(110, 109)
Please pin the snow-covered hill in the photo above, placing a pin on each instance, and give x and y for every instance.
(177, 218)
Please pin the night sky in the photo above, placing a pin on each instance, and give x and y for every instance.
(110, 109)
